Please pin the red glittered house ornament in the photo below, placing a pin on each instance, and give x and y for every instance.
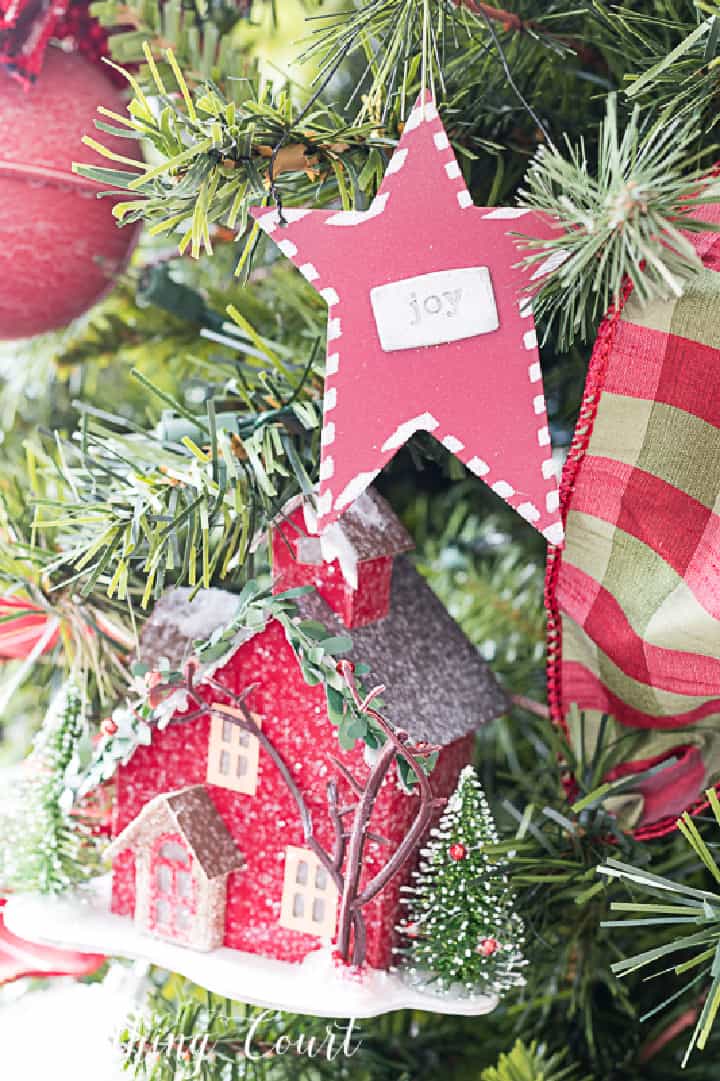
(209, 850)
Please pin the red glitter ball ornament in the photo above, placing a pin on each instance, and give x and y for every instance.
(488, 946)
(457, 852)
(108, 727)
(62, 249)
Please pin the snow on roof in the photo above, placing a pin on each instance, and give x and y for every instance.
(177, 622)
(370, 528)
(438, 687)
(196, 818)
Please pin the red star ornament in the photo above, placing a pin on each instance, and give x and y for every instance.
(427, 329)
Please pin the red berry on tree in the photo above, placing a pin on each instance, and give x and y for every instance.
(108, 727)
(457, 852)
(488, 946)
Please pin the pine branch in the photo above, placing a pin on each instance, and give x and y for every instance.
(492, 586)
(222, 146)
(201, 36)
(532, 1063)
(217, 151)
(553, 858)
(513, 23)
(91, 637)
(671, 57)
(692, 918)
(628, 221)
(181, 501)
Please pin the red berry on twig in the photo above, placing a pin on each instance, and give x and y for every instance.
(488, 946)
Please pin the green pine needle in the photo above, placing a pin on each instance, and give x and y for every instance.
(626, 219)
(532, 1063)
(685, 951)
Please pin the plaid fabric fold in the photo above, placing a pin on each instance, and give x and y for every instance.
(26, 27)
(634, 599)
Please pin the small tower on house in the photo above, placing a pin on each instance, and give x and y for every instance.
(350, 566)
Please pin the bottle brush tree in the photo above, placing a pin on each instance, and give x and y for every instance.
(462, 929)
(50, 845)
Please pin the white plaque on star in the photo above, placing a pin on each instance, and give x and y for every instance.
(433, 309)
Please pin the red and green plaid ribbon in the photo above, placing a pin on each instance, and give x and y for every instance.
(634, 599)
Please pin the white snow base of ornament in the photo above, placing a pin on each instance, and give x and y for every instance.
(314, 986)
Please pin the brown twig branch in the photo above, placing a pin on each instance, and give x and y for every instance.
(332, 864)
(340, 835)
(530, 705)
(355, 848)
(514, 23)
(396, 744)
(352, 781)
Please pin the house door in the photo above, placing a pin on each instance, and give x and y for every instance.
(173, 903)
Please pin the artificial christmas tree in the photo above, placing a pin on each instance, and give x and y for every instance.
(462, 926)
(149, 447)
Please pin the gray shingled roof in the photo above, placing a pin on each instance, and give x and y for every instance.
(438, 687)
(371, 528)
